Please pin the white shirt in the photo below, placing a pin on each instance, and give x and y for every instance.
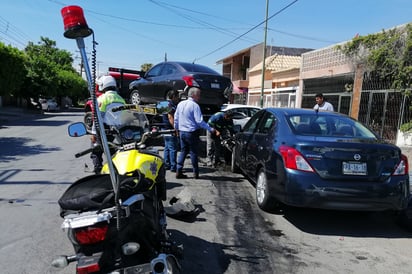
(325, 106)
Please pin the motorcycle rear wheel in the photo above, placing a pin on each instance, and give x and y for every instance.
(88, 120)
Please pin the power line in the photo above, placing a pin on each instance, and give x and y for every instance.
(194, 19)
(237, 38)
(13, 34)
(303, 36)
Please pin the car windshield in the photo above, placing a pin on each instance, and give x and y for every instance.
(337, 126)
(198, 68)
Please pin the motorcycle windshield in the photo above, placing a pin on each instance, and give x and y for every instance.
(128, 117)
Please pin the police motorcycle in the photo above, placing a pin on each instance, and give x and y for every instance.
(129, 235)
(115, 220)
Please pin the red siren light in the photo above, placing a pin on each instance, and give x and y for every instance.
(75, 25)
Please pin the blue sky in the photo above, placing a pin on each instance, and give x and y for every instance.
(130, 33)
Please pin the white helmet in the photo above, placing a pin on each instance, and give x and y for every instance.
(106, 81)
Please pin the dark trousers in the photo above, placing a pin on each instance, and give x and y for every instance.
(214, 148)
(97, 158)
(189, 142)
(170, 152)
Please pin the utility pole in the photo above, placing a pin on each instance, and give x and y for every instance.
(264, 56)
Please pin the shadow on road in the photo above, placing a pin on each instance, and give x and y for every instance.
(200, 256)
(13, 147)
(346, 223)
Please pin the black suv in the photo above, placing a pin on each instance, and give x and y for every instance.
(180, 76)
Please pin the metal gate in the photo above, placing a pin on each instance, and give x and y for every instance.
(384, 111)
(271, 98)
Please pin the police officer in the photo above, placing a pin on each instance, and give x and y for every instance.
(108, 100)
(222, 122)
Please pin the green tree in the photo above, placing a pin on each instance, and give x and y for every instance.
(387, 55)
(146, 66)
(50, 71)
(73, 86)
(12, 69)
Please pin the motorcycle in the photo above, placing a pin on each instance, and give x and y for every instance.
(227, 141)
(124, 234)
(115, 220)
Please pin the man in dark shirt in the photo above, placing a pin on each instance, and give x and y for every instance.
(171, 140)
(222, 122)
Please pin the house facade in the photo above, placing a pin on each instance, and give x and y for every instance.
(281, 82)
(293, 76)
(238, 65)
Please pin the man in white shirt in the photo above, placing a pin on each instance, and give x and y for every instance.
(321, 104)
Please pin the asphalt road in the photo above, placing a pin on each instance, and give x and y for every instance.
(227, 233)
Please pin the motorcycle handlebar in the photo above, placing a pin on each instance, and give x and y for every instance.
(119, 108)
(145, 137)
(154, 133)
(84, 152)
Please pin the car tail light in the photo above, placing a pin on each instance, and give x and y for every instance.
(403, 167)
(294, 159)
(91, 234)
(190, 81)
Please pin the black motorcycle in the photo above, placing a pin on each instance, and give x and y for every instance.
(124, 234)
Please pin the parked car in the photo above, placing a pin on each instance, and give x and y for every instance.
(49, 104)
(241, 113)
(180, 76)
(326, 160)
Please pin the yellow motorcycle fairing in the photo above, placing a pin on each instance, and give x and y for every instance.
(131, 160)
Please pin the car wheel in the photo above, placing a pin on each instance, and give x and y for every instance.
(172, 265)
(405, 217)
(135, 97)
(88, 120)
(263, 198)
(234, 168)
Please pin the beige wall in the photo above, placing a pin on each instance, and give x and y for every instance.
(280, 79)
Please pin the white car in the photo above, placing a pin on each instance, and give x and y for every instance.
(49, 104)
(241, 113)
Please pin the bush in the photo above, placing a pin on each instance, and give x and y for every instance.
(406, 127)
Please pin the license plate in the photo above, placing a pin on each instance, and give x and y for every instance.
(214, 85)
(354, 168)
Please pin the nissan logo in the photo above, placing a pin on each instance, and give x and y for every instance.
(357, 157)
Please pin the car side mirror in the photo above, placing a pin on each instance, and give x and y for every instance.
(162, 107)
(77, 129)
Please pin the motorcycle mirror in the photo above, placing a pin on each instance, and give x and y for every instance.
(162, 107)
(77, 129)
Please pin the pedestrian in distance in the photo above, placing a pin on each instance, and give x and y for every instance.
(322, 104)
(222, 122)
(108, 100)
(170, 141)
(189, 122)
